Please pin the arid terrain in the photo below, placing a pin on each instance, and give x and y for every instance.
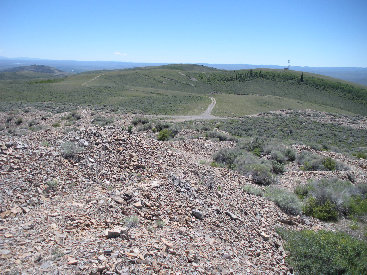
(79, 198)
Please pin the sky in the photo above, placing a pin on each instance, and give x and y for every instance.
(262, 32)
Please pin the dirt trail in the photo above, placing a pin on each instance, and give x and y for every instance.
(208, 112)
(207, 115)
(90, 80)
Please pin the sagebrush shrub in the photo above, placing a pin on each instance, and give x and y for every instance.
(160, 126)
(324, 252)
(313, 162)
(278, 168)
(261, 174)
(69, 150)
(310, 162)
(290, 154)
(102, 121)
(139, 120)
(226, 156)
(220, 136)
(255, 145)
(328, 199)
(287, 201)
(253, 190)
(278, 156)
(302, 190)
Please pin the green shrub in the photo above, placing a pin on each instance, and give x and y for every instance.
(102, 121)
(313, 162)
(278, 168)
(226, 157)
(19, 121)
(73, 116)
(160, 126)
(130, 129)
(131, 221)
(51, 186)
(244, 159)
(253, 190)
(362, 189)
(33, 123)
(214, 164)
(290, 154)
(261, 174)
(260, 170)
(325, 211)
(327, 199)
(69, 150)
(278, 156)
(287, 201)
(56, 124)
(164, 134)
(302, 190)
(360, 155)
(144, 127)
(9, 118)
(324, 252)
(256, 146)
(329, 164)
(357, 206)
(219, 135)
(139, 120)
(159, 223)
(310, 162)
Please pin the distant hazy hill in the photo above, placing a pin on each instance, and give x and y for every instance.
(35, 68)
(32, 71)
(353, 74)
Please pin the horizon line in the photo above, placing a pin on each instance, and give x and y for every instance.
(172, 63)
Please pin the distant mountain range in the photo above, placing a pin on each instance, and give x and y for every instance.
(353, 74)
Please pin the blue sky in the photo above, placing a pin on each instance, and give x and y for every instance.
(308, 32)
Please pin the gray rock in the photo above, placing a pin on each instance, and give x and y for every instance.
(232, 216)
(102, 258)
(197, 214)
(5, 252)
(108, 251)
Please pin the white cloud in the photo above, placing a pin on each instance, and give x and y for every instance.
(120, 53)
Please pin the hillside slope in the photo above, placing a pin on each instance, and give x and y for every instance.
(185, 89)
(109, 199)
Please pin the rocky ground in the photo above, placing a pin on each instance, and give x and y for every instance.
(84, 199)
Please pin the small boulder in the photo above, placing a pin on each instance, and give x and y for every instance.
(197, 214)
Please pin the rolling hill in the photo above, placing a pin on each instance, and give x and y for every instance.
(185, 89)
